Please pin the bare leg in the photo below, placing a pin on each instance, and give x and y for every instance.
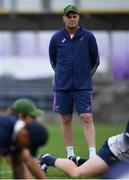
(93, 167)
(66, 127)
(89, 129)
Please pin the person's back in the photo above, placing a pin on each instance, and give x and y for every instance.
(6, 130)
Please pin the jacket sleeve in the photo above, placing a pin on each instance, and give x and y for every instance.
(94, 54)
(52, 53)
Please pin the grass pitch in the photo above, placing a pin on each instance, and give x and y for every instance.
(55, 146)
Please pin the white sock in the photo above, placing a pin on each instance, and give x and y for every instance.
(70, 151)
(92, 152)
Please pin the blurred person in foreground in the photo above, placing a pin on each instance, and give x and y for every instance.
(20, 138)
(112, 159)
(74, 57)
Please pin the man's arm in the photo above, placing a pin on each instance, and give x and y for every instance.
(94, 54)
(17, 163)
(52, 53)
(33, 165)
(26, 172)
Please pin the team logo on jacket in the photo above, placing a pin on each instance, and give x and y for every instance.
(81, 39)
(63, 40)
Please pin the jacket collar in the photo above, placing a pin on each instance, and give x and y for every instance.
(78, 33)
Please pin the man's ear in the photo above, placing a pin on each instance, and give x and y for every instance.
(63, 18)
(23, 137)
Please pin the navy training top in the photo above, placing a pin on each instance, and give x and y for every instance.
(6, 131)
(74, 59)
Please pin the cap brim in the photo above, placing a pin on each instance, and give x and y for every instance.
(71, 11)
(36, 113)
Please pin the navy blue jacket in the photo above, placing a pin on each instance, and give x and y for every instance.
(74, 60)
(6, 130)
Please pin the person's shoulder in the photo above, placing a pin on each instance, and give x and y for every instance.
(87, 32)
(57, 36)
(7, 122)
(7, 118)
(58, 33)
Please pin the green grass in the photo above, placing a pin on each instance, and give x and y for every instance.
(55, 145)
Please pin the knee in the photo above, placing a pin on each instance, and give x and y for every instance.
(74, 173)
(86, 118)
(66, 120)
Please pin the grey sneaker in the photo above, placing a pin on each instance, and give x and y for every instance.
(75, 159)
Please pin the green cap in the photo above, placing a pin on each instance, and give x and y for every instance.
(70, 8)
(27, 107)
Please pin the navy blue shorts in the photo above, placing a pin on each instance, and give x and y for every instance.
(106, 154)
(64, 101)
(117, 168)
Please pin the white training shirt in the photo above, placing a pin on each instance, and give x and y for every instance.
(17, 127)
(119, 147)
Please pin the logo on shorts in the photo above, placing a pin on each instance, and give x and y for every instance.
(57, 108)
(88, 108)
(113, 158)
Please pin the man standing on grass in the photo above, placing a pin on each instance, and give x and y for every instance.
(74, 57)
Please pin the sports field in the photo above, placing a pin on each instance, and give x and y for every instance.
(55, 146)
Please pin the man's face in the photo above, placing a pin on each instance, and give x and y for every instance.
(71, 20)
(26, 118)
(30, 119)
